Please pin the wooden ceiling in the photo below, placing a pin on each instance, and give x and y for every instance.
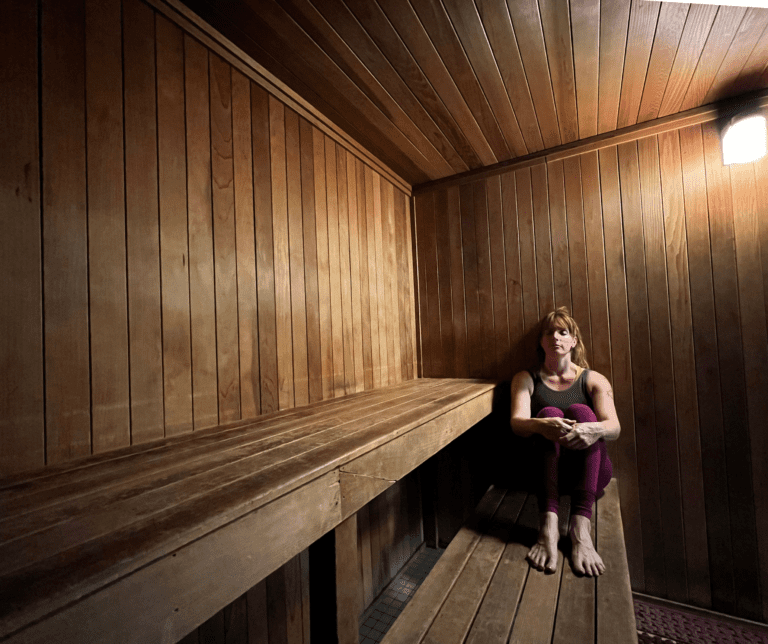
(439, 87)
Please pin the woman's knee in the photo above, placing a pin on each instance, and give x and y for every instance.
(550, 412)
(580, 413)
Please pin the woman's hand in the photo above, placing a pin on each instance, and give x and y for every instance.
(555, 429)
(582, 435)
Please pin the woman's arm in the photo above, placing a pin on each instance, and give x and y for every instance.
(607, 425)
(522, 424)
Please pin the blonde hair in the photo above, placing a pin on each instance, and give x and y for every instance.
(561, 318)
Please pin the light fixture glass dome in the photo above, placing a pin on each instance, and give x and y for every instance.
(745, 139)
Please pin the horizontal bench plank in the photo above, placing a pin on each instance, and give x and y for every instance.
(118, 505)
(162, 602)
(396, 458)
(118, 519)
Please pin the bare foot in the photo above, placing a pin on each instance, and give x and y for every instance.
(543, 555)
(585, 559)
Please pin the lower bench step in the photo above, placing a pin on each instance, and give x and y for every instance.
(482, 589)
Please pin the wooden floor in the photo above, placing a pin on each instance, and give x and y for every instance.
(483, 591)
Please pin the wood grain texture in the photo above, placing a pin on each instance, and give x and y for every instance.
(697, 574)
(107, 284)
(657, 253)
(642, 26)
(142, 224)
(224, 240)
(296, 263)
(22, 445)
(247, 301)
(65, 237)
(202, 287)
(532, 74)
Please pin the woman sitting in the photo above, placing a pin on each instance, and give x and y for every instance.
(569, 411)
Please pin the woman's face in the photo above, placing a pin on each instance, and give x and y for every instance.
(557, 341)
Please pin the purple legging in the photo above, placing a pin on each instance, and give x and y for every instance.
(583, 473)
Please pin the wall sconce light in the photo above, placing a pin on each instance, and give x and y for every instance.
(745, 138)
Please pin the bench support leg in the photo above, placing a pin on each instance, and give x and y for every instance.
(336, 585)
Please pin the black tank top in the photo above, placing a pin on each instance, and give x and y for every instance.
(544, 396)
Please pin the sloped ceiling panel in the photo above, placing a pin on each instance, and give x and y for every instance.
(439, 87)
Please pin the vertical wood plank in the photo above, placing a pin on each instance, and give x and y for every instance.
(544, 276)
(305, 588)
(110, 406)
(364, 545)
(277, 148)
(247, 303)
(705, 344)
(622, 363)
(485, 331)
(514, 277)
(458, 318)
(753, 334)
(668, 456)
(600, 358)
(577, 252)
(404, 279)
(733, 376)
(202, 289)
(678, 280)
(558, 231)
(142, 225)
(642, 371)
(277, 607)
(388, 226)
(365, 290)
(353, 209)
(471, 283)
(22, 421)
(344, 267)
(212, 631)
(413, 369)
(384, 321)
(65, 252)
(311, 269)
(323, 265)
(334, 263)
(372, 278)
(265, 271)
(348, 586)
(236, 622)
(258, 623)
(293, 599)
(498, 272)
(224, 240)
(428, 295)
(527, 245)
(296, 254)
(174, 248)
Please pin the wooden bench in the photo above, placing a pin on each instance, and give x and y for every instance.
(143, 544)
(482, 590)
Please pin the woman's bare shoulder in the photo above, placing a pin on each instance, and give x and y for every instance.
(522, 380)
(597, 381)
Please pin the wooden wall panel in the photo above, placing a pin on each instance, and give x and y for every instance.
(22, 416)
(665, 271)
(202, 289)
(201, 252)
(110, 406)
